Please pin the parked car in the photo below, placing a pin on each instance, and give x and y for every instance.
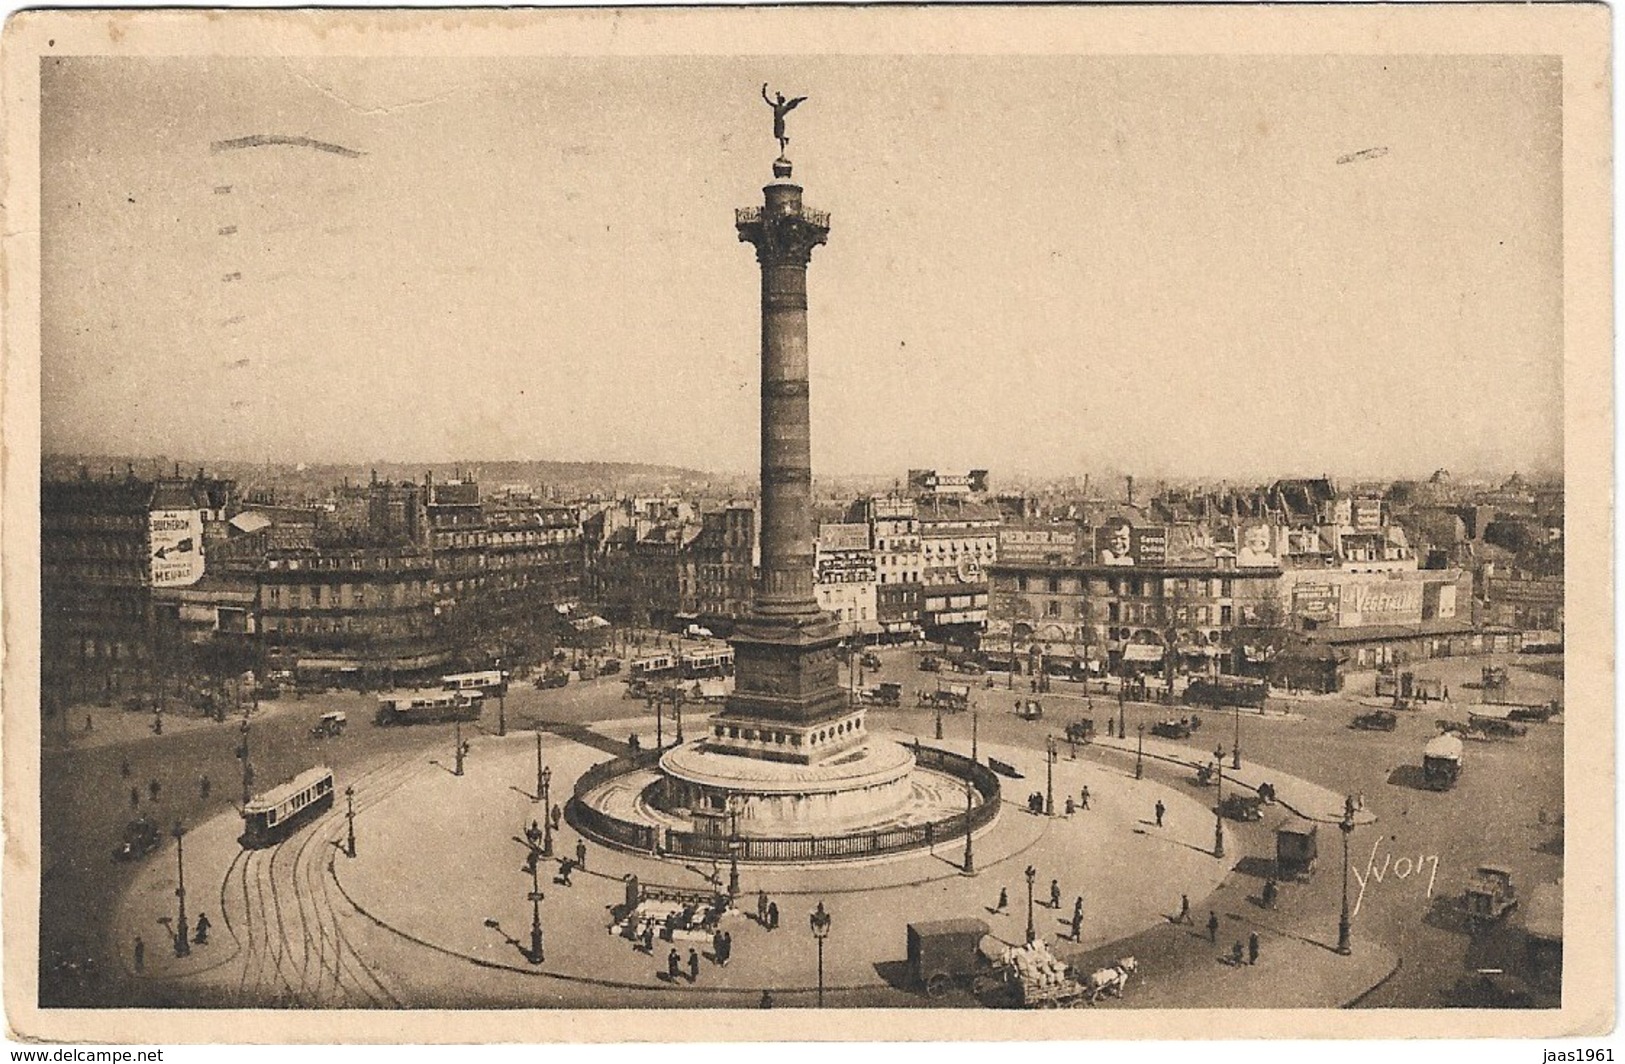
(930, 663)
(870, 660)
(1381, 720)
(1172, 729)
(1244, 807)
(610, 667)
(330, 725)
(141, 837)
(1489, 896)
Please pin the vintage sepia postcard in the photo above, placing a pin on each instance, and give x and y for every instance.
(1004, 523)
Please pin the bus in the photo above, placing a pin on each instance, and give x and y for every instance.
(271, 817)
(490, 683)
(428, 707)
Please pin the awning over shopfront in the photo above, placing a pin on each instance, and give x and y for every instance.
(1142, 652)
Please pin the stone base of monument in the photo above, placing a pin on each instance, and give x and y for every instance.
(879, 798)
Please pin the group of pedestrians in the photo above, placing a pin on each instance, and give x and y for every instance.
(767, 911)
(1238, 951)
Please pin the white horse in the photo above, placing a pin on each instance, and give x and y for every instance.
(1110, 981)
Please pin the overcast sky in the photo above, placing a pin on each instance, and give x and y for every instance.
(1039, 265)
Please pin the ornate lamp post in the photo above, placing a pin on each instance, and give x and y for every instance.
(1139, 754)
(677, 711)
(939, 721)
(1235, 745)
(502, 711)
(973, 755)
(1122, 700)
(1032, 932)
(1343, 926)
(1049, 775)
(733, 846)
(1218, 813)
(970, 857)
(457, 738)
(819, 922)
(660, 736)
(532, 834)
(547, 811)
(349, 817)
(183, 942)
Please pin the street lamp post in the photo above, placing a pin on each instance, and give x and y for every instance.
(183, 943)
(819, 922)
(547, 811)
(349, 817)
(502, 711)
(660, 735)
(1032, 932)
(1139, 754)
(970, 857)
(248, 773)
(1122, 701)
(541, 783)
(535, 956)
(457, 737)
(1049, 776)
(939, 721)
(973, 754)
(1343, 926)
(1235, 745)
(1218, 813)
(677, 711)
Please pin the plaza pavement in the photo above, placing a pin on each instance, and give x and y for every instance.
(406, 920)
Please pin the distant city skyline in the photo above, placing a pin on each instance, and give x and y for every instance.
(1194, 268)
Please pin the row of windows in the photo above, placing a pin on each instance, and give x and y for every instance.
(1217, 587)
(733, 731)
(344, 596)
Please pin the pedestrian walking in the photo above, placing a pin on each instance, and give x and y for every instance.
(566, 866)
(1235, 953)
(649, 939)
(674, 964)
(772, 916)
(581, 854)
(1077, 924)
(766, 1002)
(1004, 900)
(1252, 948)
(694, 964)
(728, 947)
(140, 954)
(1071, 807)
(124, 768)
(135, 798)
(203, 787)
(201, 936)
(558, 816)
(1213, 927)
(154, 788)
(1085, 797)
(761, 907)
(1055, 894)
(717, 947)
(1184, 916)
(1161, 809)
(1271, 892)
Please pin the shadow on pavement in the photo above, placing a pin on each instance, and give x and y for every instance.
(1257, 867)
(1408, 776)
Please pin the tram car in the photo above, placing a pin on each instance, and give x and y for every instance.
(653, 667)
(491, 683)
(271, 817)
(707, 662)
(428, 707)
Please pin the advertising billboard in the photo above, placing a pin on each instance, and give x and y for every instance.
(1256, 546)
(1317, 602)
(1119, 543)
(175, 542)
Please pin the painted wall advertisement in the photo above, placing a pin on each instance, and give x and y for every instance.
(1119, 543)
(1388, 602)
(1316, 602)
(1255, 546)
(1038, 544)
(175, 538)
